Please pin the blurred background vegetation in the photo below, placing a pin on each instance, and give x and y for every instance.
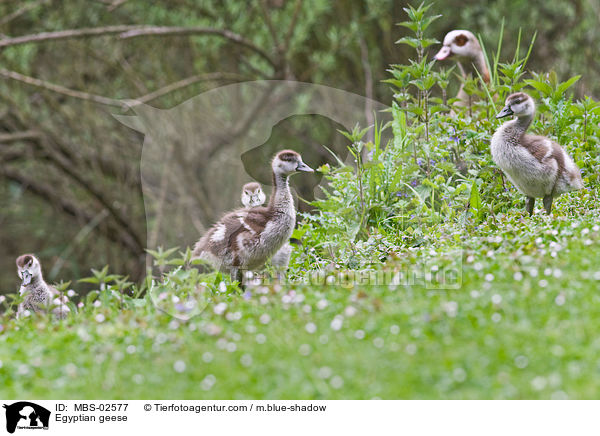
(70, 188)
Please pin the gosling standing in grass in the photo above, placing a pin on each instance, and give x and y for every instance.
(37, 295)
(536, 165)
(246, 238)
(253, 196)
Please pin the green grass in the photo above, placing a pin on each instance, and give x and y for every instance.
(524, 324)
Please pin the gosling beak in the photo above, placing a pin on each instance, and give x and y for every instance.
(444, 53)
(26, 276)
(303, 167)
(505, 112)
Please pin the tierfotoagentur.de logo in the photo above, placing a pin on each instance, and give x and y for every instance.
(24, 415)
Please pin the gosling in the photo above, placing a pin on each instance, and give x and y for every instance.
(37, 295)
(246, 238)
(536, 165)
(253, 196)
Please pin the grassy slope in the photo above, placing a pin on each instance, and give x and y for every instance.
(527, 331)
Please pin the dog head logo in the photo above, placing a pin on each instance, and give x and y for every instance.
(26, 415)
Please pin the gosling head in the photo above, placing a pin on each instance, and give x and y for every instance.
(459, 44)
(252, 195)
(28, 268)
(519, 104)
(288, 162)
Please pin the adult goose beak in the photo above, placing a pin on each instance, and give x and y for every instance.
(444, 53)
(303, 167)
(505, 112)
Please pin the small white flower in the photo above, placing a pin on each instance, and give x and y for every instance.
(138, 379)
(337, 382)
(208, 382)
(336, 323)
(350, 311)
(97, 303)
(207, 357)
(322, 304)
(359, 334)
(179, 366)
(265, 318)
(325, 372)
(304, 349)
(311, 327)
(521, 361)
(411, 349)
(459, 374)
(246, 360)
(394, 329)
(100, 318)
(538, 383)
(220, 308)
(496, 298)
(518, 276)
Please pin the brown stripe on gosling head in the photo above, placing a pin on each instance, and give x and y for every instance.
(516, 98)
(252, 186)
(26, 260)
(288, 155)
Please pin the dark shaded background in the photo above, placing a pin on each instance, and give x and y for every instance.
(70, 188)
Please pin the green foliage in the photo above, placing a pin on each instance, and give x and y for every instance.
(437, 168)
(520, 325)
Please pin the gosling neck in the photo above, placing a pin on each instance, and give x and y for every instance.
(522, 123)
(281, 197)
(34, 285)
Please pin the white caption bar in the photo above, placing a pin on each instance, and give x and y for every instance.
(299, 417)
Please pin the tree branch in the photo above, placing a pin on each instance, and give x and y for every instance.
(61, 89)
(135, 31)
(66, 34)
(45, 191)
(183, 31)
(175, 86)
(19, 136)
(23, 10)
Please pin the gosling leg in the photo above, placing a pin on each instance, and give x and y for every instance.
(236, 275)
(548, 203)
(530, 203)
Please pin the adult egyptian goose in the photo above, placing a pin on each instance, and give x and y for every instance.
(536, 165)
(253, 196)
(464, 47)
(244, 239)
(37, 295)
